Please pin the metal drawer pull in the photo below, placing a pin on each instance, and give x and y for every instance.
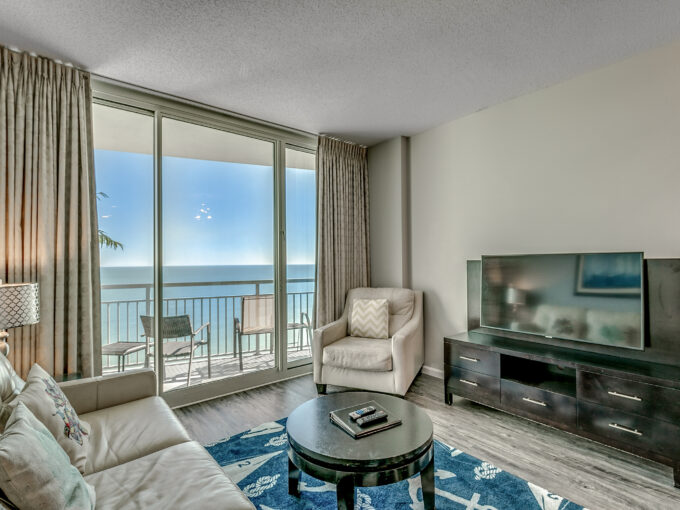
(623, 395)
(473, 360)
(471, 383)
(625, 429)
(536, 402)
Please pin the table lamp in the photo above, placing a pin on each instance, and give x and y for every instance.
(19, 306)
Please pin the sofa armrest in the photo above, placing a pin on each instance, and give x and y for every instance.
(94, 393)
(408, 348)
(323, 337)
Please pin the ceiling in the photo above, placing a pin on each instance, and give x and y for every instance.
(364, 70)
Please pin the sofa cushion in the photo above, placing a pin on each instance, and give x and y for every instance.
(35, 472)
(10, 383)
(129, 431)
(359, 354)
(47, 402)
(370, 318)
(181, 476)
(401, 304)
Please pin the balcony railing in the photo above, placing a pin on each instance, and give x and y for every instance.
(121, 322)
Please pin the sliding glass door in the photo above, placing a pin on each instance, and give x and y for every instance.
(300, 252)
(124, 166)
(208, 235)
(218, 253)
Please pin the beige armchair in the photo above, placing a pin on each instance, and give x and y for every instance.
(384, 365)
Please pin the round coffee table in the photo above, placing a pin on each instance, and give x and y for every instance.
(323, 450)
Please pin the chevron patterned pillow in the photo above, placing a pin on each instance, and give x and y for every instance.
(370, 318)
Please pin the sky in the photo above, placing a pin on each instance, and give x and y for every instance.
(214, 213)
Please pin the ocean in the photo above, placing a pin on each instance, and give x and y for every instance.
(138, 279)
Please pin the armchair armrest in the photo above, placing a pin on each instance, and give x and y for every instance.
(408, 348)
(324, 336)
(330, 333)
(94, 393)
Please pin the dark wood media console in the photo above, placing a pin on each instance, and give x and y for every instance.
(633, 405)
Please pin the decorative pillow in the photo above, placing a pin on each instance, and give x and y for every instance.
(48, 403)
(370, 318)
(35, 473)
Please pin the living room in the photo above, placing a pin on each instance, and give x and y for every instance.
(459, 217)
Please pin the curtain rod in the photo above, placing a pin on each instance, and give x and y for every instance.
(198, 104)
(344, 141)
(14, 49)
(184, 100)
(173, 97)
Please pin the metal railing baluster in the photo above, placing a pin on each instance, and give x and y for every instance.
(220, 314)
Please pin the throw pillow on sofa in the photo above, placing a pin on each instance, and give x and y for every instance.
(48, 403)
(370, 318)
(35, 472)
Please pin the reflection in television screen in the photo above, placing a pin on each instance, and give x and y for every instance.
(594, 297)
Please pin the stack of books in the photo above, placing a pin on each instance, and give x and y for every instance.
(341, 418)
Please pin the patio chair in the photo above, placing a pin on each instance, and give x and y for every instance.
(257, 318)
(178, 327)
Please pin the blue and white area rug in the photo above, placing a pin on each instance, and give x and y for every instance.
(257, 461)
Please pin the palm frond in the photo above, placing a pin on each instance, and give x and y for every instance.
(106, 242)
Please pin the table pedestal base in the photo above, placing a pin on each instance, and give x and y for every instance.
(347, 481)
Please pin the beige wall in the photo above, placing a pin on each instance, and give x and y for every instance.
(388, 181)
(590, 164)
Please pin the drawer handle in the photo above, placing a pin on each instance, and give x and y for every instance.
(465, 358)
(625, 429)
(623, 395)
(471, 383)
(535, 402)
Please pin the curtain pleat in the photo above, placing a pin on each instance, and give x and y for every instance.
(48, 223)
(343, 259)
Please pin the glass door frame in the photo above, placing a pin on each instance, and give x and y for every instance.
(283, 260)
(160, 107)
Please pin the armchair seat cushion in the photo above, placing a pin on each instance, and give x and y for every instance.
(129, 431)
(373, 354)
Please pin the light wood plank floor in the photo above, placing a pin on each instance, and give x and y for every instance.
(593, 475)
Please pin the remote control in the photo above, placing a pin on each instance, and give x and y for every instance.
(365, 411)
(372, 419)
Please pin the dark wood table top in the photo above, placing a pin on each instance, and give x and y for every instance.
(312, 435)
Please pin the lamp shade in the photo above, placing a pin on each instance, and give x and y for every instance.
(19, 305)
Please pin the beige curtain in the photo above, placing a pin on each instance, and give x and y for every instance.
(342, 225)
(48, 227)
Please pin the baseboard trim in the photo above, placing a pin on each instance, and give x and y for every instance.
(434, 372)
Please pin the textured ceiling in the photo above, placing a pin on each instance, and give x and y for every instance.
(365, 70)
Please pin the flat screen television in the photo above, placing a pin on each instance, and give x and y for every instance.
(589, 297)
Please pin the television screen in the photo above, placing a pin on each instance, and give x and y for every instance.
(590, 297)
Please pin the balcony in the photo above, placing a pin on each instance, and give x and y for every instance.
(121, 323)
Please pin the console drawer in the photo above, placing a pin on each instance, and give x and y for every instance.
(630, 396)
(629, 431)
(470, 358)
(474, 386)
(541, 405)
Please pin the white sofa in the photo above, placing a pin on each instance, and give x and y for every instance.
(383, 365)
(140, 455)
